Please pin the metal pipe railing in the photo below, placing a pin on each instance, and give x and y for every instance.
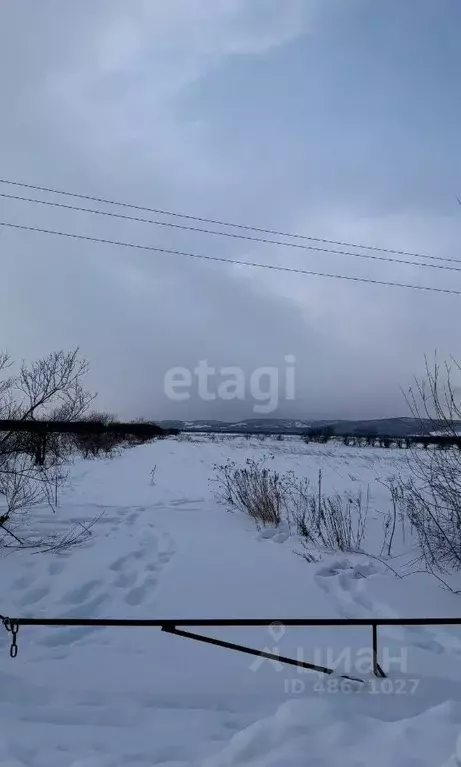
(170, 626)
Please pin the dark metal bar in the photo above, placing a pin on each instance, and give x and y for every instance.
(252, 651)
(172, 622)
(374, 629)
(377, 670)
(171, 626)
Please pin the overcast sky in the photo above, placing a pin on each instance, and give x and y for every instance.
(338, 119)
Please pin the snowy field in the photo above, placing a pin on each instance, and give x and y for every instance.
(136, 697)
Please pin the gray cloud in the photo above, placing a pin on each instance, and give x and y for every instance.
(337, 120)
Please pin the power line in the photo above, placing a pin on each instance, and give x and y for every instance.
(123, 216)
(219, 259)
(217, 222)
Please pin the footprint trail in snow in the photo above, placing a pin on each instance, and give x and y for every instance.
(124, 583)
(346, 582)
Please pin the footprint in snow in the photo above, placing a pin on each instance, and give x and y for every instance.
(125, 580)
(141, 593)
(34, 595)
(56, 568)
(59, 637)
(346, 583)
(119, 563)
(24, 581)
(89, 609)
(63, 637)
(140, 554)
(81, 593)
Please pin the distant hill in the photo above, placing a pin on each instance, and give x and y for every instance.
(390, 427)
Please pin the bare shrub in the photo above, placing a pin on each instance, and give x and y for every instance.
(398, 513)
(94, 444)
(333, 522)
(432, 494)
(253, 489)
(320, 434)
(434, 510)
(31, 468)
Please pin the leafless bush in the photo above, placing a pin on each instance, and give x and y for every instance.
(333, 522)
(434, 510)
(432, 495)
(94, 445)
(37, 543)
(32, 471)
(396, 488)
(253, 489)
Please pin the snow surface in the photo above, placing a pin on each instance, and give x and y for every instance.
(118, 697)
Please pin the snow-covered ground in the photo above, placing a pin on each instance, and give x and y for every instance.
(121, 697)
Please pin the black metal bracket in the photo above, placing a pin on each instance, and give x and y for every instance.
(377, 670)
(169, 629)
